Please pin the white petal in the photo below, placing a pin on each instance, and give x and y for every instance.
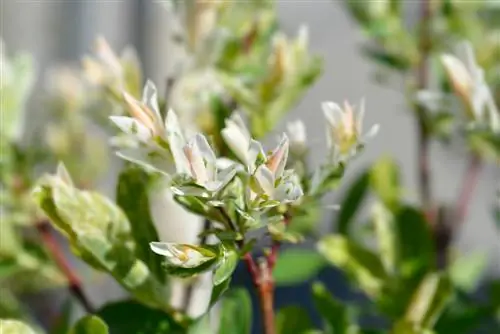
(265, 180)
(196, 164)
(297, 132)
(132, 127)
(162, 248)
(360, 117)
(237, 142)
(237, 120)
(150, 99)
(458, 74)
(208, 155)
(255, 152)
(372, 132)
(277, 161)
(332, 110)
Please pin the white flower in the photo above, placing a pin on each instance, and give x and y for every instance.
(238, 138)
(344, 129)
(197, 160)
(296, 131)
(273, 181)
(182, 255)
(469, 83)
(146, 121)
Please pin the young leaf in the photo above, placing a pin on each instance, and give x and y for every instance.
(429, 300)
(295, 266)
(236, 313)
(385, 231)
(293, 319)
(362, 265)
(351, 202)
(333, 312)
(100, 234)
(132, 317)
(132, 197)
(90, 324)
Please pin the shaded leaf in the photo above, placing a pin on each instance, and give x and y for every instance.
(352, 202)
(236, 313)
(416, 247)
(126, 317)
(295, 266)
(333, 312)
(386, 233)
(132, 197)
(293, 319)
(90, 324)
(218, 291)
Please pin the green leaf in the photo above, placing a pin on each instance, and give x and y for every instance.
(429, 300)
(403, 327)
(236, 313)
(383, 57)
(218, 291)
(416, 247)
(132, 197)
(227, 265)
(295, 266)
(131, 317)
(9, 326)
(90, 324)
(386, 233)
(335, 314)
(352, 201)
(361, 264)
(385, 181)
(100, 234)
(466, 271)
(293, 319)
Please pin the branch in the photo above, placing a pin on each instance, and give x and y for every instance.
(74, 283)
(423, 133)
(469, 182)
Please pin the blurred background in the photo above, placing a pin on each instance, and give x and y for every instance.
(56, 31)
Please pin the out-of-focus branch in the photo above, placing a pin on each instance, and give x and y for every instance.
(74, 282)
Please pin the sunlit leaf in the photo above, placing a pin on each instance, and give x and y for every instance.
(352, 202)
(90, 324)
(362, 265)
(295, 266)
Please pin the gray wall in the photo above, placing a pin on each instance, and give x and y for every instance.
(62, 30)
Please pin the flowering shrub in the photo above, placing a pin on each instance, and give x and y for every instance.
(201, 141)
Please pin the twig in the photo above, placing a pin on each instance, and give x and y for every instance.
(273, 255)
(74, 283)
(423, 134)
(468, 184)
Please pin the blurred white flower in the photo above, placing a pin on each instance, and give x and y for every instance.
(344, 129)
(237, 137)
(469, 83)
(146, 121)
(182, 255)
(296, 131)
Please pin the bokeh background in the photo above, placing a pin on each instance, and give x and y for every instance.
(56, 31)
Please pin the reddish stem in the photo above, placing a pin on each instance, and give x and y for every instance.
(469, 183)
(74, 283)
